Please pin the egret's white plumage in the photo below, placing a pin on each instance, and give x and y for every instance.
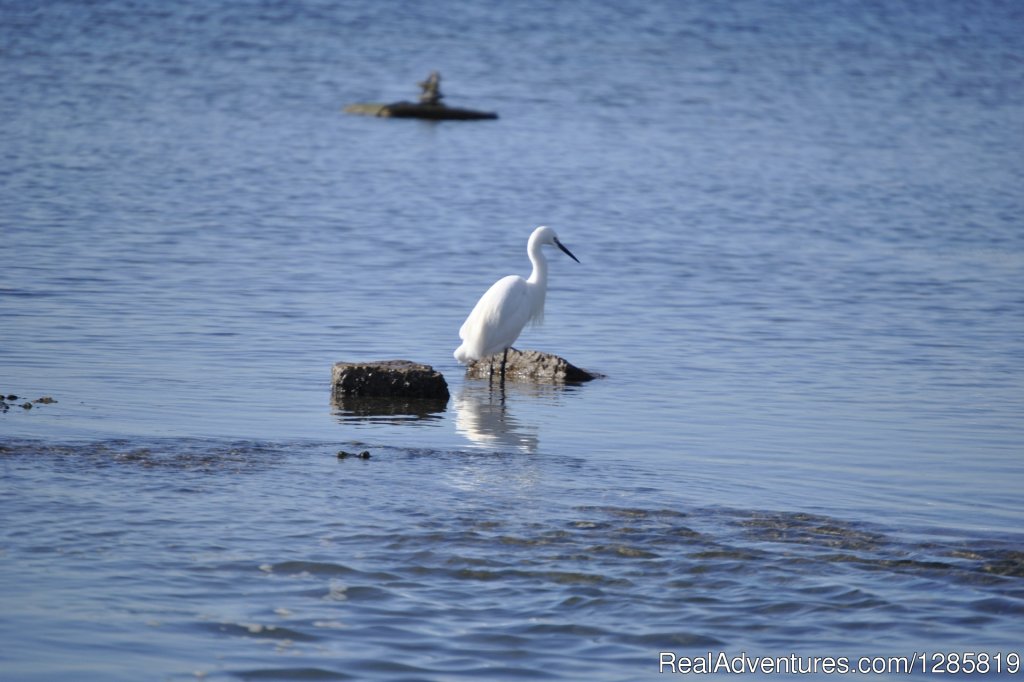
(501, 313)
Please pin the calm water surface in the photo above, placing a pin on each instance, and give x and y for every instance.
(802, 253)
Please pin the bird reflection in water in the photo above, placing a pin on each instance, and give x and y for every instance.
(483, 417)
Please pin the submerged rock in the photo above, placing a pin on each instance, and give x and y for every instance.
(530, 365)
(343, 454)
(7, 401)
(387, 379)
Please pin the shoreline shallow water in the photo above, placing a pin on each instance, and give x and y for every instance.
(469, 569)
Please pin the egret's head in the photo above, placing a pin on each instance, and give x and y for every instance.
(544, 235)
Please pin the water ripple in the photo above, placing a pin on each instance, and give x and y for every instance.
(525, 592)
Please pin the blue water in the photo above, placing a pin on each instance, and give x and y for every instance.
(801, 235)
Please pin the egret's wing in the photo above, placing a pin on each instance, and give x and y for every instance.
(498, 317)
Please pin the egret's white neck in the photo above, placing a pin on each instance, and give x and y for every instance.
(540, 264)
(538, 282)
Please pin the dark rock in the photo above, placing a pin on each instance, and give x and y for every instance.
(343, 454)
(45, 400)
(12, 398)
(530, 365)
(365, 454)
(387, 379)
(27, 406)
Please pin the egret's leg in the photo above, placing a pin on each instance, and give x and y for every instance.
(504, 359)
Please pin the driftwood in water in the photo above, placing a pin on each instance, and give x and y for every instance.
(429, 107)
(433, 112)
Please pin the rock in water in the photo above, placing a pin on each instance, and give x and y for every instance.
(387, 379)
(531, 365)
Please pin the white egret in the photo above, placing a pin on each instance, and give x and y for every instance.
(501, 313)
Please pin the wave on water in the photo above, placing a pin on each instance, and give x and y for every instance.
(468, 582)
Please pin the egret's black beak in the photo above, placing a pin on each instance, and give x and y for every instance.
(567, 251)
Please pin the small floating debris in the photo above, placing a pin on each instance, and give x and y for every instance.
(429, 107)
